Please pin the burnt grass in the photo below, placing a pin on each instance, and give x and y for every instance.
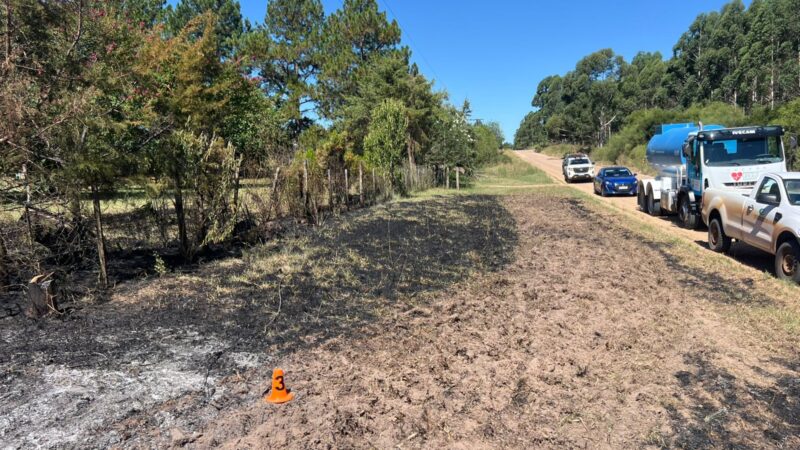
(470, 321)
(370, 260)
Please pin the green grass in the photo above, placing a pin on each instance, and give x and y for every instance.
(508, 176)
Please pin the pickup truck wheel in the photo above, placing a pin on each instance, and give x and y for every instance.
(689, 219)
(718, 241)
(787, 261)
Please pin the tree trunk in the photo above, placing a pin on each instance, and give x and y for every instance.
(8, 32)
(27, 212)
(42, 295)
(772, 78)
(5, 267)
(101, 244)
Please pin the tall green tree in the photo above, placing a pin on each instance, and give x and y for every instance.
(385, 142)
(229, 25)
(352, 37)
(289, 65)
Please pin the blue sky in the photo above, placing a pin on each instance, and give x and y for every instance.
(496, 52)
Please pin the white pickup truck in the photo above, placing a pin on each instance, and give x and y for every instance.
(768, 218)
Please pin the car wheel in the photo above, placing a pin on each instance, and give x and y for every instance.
(718, 241)
(689, 219)
(787, 261)
(603, 191)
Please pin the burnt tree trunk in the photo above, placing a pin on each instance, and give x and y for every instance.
(99, 238)
(42, 296)
(180, 215)
(5, 267)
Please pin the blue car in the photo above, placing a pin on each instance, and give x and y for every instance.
(615, 181)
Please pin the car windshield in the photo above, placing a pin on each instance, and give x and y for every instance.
(743, 152)
(793, 191)
(611, 173)
(577, 161)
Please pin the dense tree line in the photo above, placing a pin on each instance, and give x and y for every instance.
(747, 58)
(97, 96)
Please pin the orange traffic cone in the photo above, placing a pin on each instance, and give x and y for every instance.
(279, 393)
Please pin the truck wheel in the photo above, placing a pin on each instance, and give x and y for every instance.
(689, 219)
(653, 205)
(718, 241)
(787, 261)
(641, 198)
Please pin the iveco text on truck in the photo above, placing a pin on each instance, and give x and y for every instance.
(690, 158)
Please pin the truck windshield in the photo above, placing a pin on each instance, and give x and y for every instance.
(743, 152)
(793, 191)
(575, 162)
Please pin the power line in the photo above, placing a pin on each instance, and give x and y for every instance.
(413, 44)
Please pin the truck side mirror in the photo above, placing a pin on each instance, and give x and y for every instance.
(687, 150)
(767, 199)
(793, 142)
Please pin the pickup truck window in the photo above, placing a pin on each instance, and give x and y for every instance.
(579, 161)
(769, 187)
(743, 152)
(793, 191)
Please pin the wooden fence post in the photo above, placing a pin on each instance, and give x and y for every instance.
(305, 188)
(346, 187)
(360, 184)
(273, 196)
(330, 190)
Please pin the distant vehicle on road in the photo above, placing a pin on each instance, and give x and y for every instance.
(577, 167)
(615, 181)
(768, 218)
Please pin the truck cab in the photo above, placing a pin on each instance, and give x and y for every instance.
(709, 157)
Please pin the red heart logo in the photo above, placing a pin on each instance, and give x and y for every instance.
(737, 176)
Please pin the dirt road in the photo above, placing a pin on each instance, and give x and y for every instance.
(627, 206)
(552, 166)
